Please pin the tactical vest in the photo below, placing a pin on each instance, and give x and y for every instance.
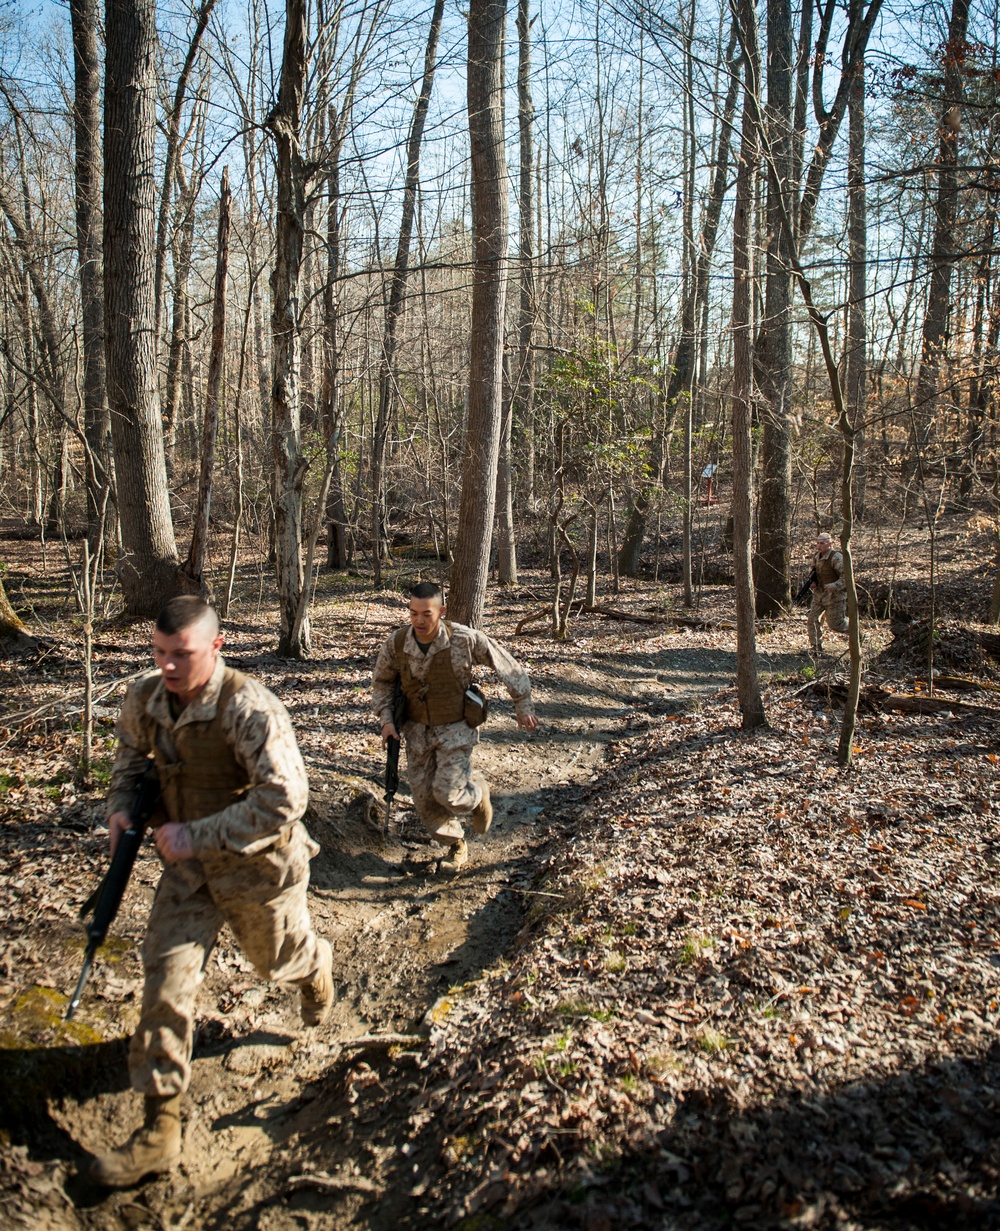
(437, 698)
(825, 572)
(206, 777)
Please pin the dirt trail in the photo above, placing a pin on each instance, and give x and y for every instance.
(402, 935)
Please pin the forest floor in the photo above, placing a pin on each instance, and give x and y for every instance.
(693, 978)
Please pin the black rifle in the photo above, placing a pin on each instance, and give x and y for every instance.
(807, 585)
(107, 897)
(392, 754)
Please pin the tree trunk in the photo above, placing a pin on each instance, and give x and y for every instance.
(856, 376)
(685, 354)
(286, 411)
(87, 128)
(195, 565)
(747, 676)
(489, 281)
(506, 544)
(148, 569)
(397, 290)
(771, 574)
(330, 400)
(170, 152)
(524, 376)
(946, 250)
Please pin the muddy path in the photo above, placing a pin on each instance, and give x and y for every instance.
(268, 1097)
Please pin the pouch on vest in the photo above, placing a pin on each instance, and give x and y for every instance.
(476, 707)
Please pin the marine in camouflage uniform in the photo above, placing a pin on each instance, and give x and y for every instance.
(432, 661)
(235, 851)
(829, 598)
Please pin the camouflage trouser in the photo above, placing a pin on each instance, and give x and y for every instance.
(263, 899)
(834, 604)
(438, 765)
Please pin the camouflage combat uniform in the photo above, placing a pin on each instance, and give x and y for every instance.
(439, 754)
(230, 768)
(829, 570)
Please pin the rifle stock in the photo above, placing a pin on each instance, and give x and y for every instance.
(107, 897)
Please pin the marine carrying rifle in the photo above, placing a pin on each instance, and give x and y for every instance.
(107, 897)
(807, 585)
(392, 754)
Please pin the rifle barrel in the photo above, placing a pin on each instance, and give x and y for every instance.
(88, 961)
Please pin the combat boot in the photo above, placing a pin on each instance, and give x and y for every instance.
(457, 857)
(151, 1149)
(317, 992)
(482, 813)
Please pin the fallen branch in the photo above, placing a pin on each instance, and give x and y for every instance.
(383, 1040)
(334, 1183)
(961, 683)
(542, 614)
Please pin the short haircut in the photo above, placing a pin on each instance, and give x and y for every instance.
(426, 590)
(824, 537)
(185, 612)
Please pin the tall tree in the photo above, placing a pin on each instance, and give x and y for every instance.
(285, 123)
(774, 360)
(748, 678)
(945, 254)
(195, 563)
(489, 282)
(148, 569)
(86, 128)
(397, 291)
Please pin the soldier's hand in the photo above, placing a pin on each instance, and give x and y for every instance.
(118, 822)
(527, 722)
(389, 732)
(174, 842)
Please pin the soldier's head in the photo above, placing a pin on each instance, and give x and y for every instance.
(823, 543)
(186, 644)
(427, 609)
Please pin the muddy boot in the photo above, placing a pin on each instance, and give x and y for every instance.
(317, 993)
(457, 857)
(151, 1149)
(482, 813)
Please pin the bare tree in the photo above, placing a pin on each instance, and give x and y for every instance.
(195, 564)
(148, 570)
(86, 127)
(397, 290)
(290, 465)
(489, 282)
(747, 679)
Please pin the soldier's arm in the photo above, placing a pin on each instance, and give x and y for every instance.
(384, 683)
(257, 727)
(837, 560)
(488, 653)
(130, 756)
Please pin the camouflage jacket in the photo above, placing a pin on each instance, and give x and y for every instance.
(830, 570)
(469, 648)
(257, 728)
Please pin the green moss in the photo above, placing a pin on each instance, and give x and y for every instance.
(38, 1013)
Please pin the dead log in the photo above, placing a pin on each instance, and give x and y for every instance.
(542, 614)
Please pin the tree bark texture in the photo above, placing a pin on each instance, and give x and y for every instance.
(286, 411)
(489, 281)
(775, 338)
(87, 130)
(523, 425)
(148, 569)
(747, 674)
(945, 254)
